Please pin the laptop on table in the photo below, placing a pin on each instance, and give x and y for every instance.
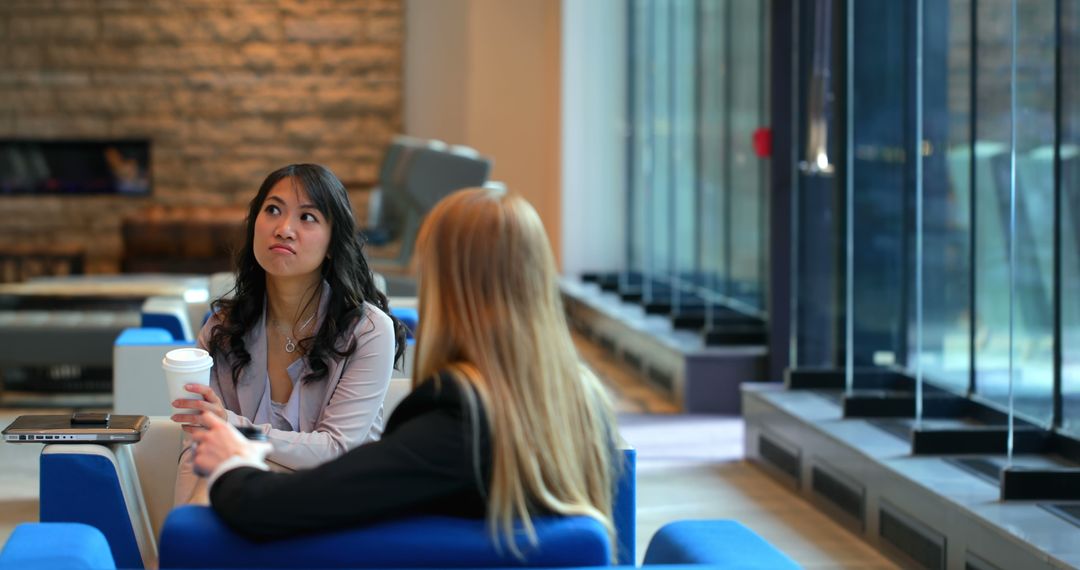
(76, 428)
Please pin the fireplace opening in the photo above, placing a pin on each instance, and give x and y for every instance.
(75, 168)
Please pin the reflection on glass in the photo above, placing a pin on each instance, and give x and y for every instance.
(714, 148)
(945, 354)
(682, 196)
(658, 222)
(1070, 218)
(819, 91)
(883, 187)
(1032, 305)
(697, 192)
(747, 172)
(817, 210)
(641, 148)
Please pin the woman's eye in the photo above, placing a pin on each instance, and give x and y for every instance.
(272, 209)
(309, 218)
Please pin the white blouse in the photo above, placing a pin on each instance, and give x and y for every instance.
(284, 416)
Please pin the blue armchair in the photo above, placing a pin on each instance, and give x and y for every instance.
(429, 542)
(75, 546)
(425, 542)
(126, 492)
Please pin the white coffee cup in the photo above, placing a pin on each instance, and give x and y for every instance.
(186, 366)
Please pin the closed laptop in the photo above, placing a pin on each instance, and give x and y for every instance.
(55, 428)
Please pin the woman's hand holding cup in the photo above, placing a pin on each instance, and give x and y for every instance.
(187, 373)
(210, 403)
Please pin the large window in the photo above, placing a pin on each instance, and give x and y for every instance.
(696, 245)
(937, 215)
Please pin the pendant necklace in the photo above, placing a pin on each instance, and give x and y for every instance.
(290, 346)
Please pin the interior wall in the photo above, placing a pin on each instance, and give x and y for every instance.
(594, 135)
(499, 66)
(226, 92)
(436, 69)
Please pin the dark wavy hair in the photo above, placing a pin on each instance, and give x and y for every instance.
(345, 269)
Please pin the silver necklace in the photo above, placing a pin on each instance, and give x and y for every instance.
(290, 346)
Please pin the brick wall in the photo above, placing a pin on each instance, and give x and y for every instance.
(227, 90)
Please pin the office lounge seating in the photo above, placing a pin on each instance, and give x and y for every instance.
(126, 491)
(422, 542)
(123, 490)
(50, 546)
(415, 174)
(138, 380)
(409, 543)
(138, 384)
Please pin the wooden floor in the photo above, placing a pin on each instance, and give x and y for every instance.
(692, 467)
(689, 467)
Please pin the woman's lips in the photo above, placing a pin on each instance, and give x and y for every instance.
(281, 248)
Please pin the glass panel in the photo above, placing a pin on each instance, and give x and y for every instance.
(817, 202)
(1033, 301)
(697, 90)
(747, 171)
(883, 188)
(641, 146)
(991, 193)
(945, 353)
(683, 186)
(659, 225)
(714, 146)
(1070, 217)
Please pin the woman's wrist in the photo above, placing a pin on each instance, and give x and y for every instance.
(235, 462)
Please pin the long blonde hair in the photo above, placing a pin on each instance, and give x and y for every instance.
(491, 315)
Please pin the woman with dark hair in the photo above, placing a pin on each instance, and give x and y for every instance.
(304, 349)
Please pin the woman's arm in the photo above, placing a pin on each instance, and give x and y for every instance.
(424, 465)
(354, 407)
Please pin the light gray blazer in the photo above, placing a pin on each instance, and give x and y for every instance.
(336, 413)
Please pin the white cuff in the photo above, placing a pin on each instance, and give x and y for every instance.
(231, 463)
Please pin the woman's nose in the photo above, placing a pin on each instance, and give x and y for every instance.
(284, 229)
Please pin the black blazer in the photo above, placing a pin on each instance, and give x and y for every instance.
(425, 463)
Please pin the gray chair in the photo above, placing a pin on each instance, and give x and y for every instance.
(414, 178)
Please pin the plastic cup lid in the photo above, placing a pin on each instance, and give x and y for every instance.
(187, 359)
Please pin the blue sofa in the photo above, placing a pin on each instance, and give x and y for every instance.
(428, 542)
(125, 491)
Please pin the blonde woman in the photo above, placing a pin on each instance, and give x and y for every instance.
(503, 422)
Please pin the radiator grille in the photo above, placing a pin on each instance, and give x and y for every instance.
(846, 497)
(975, 562)
(662, 378)
(778, 456)
(923, 546)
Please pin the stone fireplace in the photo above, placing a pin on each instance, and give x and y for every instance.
(225, 92)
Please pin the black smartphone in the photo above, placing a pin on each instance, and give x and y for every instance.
(253, 433)
(90, 419)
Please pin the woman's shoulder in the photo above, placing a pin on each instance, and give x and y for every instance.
(443, 392)
(214, 319)
(373, 319)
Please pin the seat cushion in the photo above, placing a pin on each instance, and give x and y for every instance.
(56, 545)
(82, 484)
(422, 542)
(721, 543)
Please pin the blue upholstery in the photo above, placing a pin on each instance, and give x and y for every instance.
(163, 321)
(721, 543)
(35, 546)
(409, 316)
(685, 545)
(85, 489)
(423, 542)
(624, 508)
(144, 336)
